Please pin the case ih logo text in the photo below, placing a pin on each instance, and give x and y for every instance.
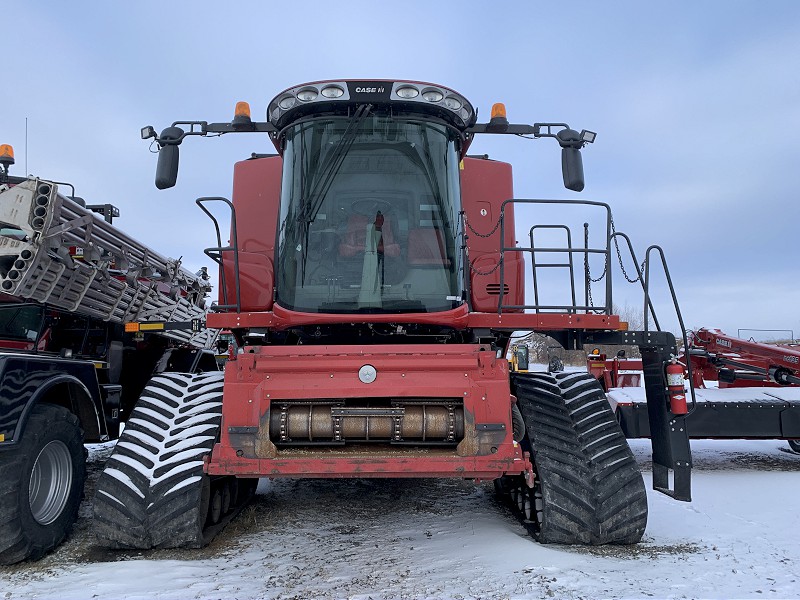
(725, 343)
(370, 90)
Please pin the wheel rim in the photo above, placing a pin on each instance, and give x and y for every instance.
(226, 498)
(51, 482)
(537, 507)
(527, 506)
(216, 507)
(521, 498)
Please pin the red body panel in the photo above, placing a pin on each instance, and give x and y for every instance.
(267, 374)
(485, 185)
(256, 197)
(281, 318)
(611, 371)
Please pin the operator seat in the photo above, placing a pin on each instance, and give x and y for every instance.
(355, 236)
(426, 248)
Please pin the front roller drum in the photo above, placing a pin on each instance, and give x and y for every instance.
(407, 421)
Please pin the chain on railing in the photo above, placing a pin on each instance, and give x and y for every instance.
(472, 267)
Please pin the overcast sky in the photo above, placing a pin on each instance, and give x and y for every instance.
(696, 105)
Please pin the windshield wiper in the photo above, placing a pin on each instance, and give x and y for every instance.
(330, 167)
(312, 203)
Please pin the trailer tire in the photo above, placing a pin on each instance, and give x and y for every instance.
(41, 485)
(153, 492)
(588, 486)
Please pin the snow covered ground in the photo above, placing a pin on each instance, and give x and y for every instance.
(450, 539)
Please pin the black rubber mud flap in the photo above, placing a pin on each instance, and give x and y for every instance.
(672, 455)
(153, 492)
(588, 488)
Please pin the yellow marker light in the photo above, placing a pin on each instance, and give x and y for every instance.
(498, 111)
(2, 437)
(7, 151)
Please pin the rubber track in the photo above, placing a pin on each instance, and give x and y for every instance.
(153, 492)
(593, 492)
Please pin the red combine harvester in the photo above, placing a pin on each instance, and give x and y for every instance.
(372, 283)
(758, 393)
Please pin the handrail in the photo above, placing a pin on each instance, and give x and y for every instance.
(569, 251)
(640, 277)
(569, 264)
(678, 313)
(215, 253)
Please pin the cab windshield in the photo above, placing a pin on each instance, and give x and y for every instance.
(369, 216)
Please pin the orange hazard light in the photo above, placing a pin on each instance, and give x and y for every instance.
(242, 110)
(498, 111)
(6, 150)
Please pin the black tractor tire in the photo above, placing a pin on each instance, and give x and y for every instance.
(794, 445)
(588, 486)
(41, 485)
(153, 492)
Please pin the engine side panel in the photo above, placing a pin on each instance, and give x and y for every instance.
(485, 185)
(256, 197)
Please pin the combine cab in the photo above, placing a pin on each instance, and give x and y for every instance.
(372, 283)
(87, 316)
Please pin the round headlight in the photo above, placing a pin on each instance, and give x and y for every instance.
(332, 91)
(307, 95)
(433, 95)
(452, 103)
(287, 102)
(407, 92)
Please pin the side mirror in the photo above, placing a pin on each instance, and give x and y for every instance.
(167, 168)
(571, 169)
(571, 162)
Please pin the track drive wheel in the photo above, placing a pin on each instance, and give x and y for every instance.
(153, 492)
(41, 484)
(588, 488)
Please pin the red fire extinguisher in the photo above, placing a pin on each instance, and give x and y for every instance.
(675, 389)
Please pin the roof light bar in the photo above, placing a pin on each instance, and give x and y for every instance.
(336, 95)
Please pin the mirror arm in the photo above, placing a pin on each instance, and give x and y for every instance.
(204, 128)
(539, 130)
